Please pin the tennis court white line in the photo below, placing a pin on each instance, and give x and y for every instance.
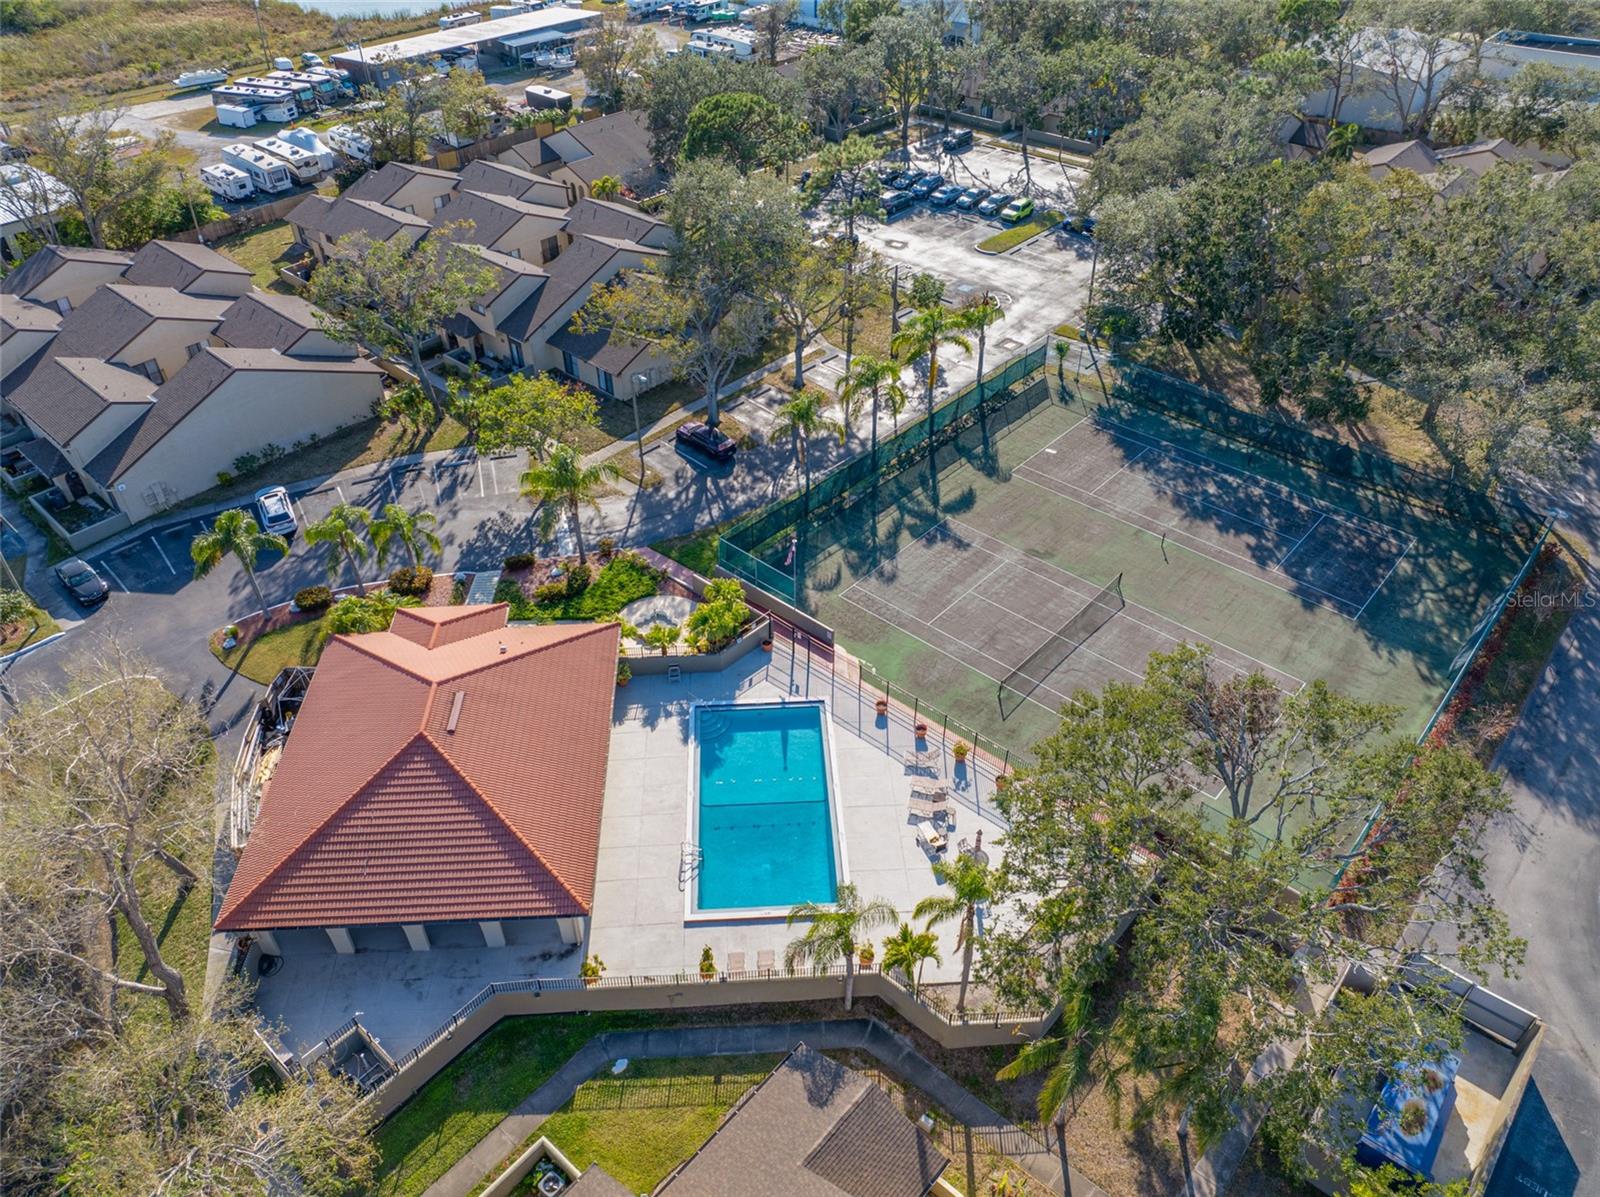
(1082, 646)
(892, 556)
(1386, 577)
(1279, 566)
(998, 563)
(1031, 564)
(1017, 473)
(1124, 466)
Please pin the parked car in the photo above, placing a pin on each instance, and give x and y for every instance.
(971, 198)
(926, 186)
(905, 180)
(275, 512)
(1083, 225)
(82, 582)
(1017, 209)
(992, 205)
(895, 202)
(958, 140)
(944, 196)
(713, 442)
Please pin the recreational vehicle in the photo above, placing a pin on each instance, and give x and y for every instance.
(457, 19)
(647, 8)
(323, 89)
(204, 77)
(541, 99)
(307, 140)
(350, 143)
(304, 94)
(227, 182)
(269, 174)
(255, 97)
(303, 165)
(740, 45)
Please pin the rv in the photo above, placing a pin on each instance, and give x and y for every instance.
(304, 94)
(205, 77)
(739, 45)
(457, 19)
(350, 143)
(255, 97)
(269, 174)
(303, 165)
(323, 89)
(236, 116)
(542, 99)
(307, 140)
(647, 8)
(227, 182)
(496, 11)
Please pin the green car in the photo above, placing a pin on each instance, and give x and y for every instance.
(1017, 209)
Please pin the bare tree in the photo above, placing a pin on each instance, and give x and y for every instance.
(104, 781)
(77, 149)
(771, 27)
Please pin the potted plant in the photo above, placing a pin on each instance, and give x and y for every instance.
(624, 673)
(960, 751)
(708, 964)
(593, 969)
(766, 643)
(881, 706)
(1002, 781)
(866, 955)
(1413, 1118)
(922, 729)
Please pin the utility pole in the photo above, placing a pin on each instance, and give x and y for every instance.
(266, 52)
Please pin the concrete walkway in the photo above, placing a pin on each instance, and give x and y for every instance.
(1047, 1165)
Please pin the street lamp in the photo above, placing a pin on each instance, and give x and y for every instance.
(639, 383)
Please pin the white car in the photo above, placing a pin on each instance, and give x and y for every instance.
(275, 512)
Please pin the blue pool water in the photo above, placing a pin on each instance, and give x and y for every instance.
(765, 836)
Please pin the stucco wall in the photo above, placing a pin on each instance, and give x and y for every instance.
(251, 409)
(167, 341)
(75, 282)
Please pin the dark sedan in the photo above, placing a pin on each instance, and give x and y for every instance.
(712, 442)
(904, 180)
(992, 205)
(82, 582)
(927, 185)
(972, 197)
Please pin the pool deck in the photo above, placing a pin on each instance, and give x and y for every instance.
(639, 926)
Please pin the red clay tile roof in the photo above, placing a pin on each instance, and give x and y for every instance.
(449, 768)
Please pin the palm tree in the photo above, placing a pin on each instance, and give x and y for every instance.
(662, 636)
(878, 377)
(927, 332)
(833, 933)
(802, 418)
(564, 485)
(341, 531)
(971, 882)
(1063, 1056)
(976, 317)
(414, 530)
(908, 950)
(235, 534)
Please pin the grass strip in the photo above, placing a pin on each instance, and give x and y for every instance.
(1018, 233)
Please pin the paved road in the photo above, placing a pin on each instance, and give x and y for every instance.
(1544, 864)
(1046, 1165)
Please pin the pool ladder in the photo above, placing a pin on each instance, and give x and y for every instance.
(689, 858)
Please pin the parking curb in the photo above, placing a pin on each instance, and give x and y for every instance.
(6, 660)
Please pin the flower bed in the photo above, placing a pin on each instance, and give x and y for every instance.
(610, 588)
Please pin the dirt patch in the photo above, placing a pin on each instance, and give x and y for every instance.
(441, 591)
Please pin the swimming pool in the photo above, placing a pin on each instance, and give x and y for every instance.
(763, 817)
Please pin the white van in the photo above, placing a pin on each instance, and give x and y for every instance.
(269, 174)
(227, 182)
(305, 166)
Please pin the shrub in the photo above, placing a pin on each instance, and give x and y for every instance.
(415, 580)
(224, 478)
(569, 586)
(313, 598)
(716, 621)
(371, 614)
(519, 561)
(606, 548)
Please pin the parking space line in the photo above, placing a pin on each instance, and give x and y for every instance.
(106, 566)
(494, 478)
(480, 477)
(163, 553)
(303, 521)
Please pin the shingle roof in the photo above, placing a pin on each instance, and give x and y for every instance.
(606, 219)
(63, 395)
(19, 315)
(813, 1128)
(472, 790)
(500, 178)
(351, 214)
(177, 264)
(601, 349)
(181, 394)
(579, 264)
(491, 216)
(597, 1182)
(619, 145)
(381, 184)
(268, 320)
(46, 261)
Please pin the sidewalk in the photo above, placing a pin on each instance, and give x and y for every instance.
(1047, 1165)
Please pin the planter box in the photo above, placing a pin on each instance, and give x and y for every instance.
(656, 665)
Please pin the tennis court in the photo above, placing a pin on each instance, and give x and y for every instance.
(990, 605)
(1262, 528)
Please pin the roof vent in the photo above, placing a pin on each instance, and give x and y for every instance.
(502, 649)
(455, 710)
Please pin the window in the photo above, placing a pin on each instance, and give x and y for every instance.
(439, 201)
(515, 253)
(516, 354)
(63, 305)
(477, 307)
(150, 370)
(195, 348)
(569, 365)
(606, 384)
(549, 248)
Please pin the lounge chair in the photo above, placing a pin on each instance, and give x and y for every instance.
(735, 963)
(766, 962)
(931, 842)
(925, 806)
(924, 758)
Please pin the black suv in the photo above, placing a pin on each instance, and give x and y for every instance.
(711, 441)
(957, 141)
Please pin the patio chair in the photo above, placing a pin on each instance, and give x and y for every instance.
(935, 792)
(920, 758)
(766, 961)
(931, 842)
(964, 848)
(924, 806)
(735, 963)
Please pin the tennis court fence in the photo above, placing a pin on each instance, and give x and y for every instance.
(1205, 409)
(745, 548)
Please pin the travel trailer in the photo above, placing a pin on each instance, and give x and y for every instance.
(305, 166)
(236, 116)
(541, 99)
(307, 140)
(457, 19)
(227, 182)
(269, 174)
(350, 143)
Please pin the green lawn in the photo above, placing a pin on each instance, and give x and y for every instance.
(259, 250)
(36, 627)
(263, 658)
(624, 579)
(641, 1125)
(1018, 233)
(697, 550)
(446, 1118)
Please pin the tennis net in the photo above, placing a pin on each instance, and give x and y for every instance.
(1027, 677)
